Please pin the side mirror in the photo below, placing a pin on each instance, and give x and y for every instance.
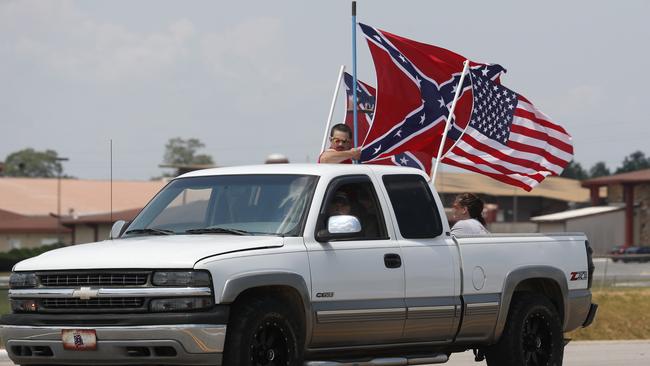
(339, 227)
(118, 229)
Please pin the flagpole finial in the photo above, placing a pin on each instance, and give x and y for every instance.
(354, 8)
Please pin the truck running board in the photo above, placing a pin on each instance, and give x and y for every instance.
(389, 361)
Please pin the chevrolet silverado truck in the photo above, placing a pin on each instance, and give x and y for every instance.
(299, 265)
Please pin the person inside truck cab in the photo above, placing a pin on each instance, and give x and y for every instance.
(340, 205)
(340, 150)
(467, 210)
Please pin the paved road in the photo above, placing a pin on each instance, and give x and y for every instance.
(595, 353)
(621, 274)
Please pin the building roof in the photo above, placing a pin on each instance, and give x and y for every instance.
(558, 188)
(13, 223)
(38, 196)
(103, 218)
(572, 214)
(639, 176)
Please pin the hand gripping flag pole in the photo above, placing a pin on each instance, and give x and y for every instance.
(448, 123)
(354, 72)
(332, 106)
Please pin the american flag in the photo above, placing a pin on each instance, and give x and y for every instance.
(366, 95)
(508, 138)
(510, 141)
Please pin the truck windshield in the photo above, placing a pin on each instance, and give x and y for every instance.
(228, 204)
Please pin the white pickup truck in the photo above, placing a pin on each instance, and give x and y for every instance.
(299, 265)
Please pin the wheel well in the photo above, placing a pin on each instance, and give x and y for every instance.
(286, 294)
(546, 287)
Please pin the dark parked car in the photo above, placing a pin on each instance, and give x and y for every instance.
(617, 250)
(631, 254)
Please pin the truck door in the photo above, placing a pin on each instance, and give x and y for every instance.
(429, 258)
(357, 281)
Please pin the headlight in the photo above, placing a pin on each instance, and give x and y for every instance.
(22, 280)
(182, 279)
(180, 304)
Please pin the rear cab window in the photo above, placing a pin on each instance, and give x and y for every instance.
(415, 207)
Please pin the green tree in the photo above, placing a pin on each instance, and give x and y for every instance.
(179, 151)
(635, 161)
(574, 171)
(599, 170)
(31, 163)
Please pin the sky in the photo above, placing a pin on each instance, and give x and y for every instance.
(251, 78)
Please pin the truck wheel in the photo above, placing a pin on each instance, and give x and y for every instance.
(262, 331)
(532, 336)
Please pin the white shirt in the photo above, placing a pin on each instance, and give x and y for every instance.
(469, 226)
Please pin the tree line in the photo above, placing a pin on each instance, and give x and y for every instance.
(46, 164)
(182, 152)
(633, 162)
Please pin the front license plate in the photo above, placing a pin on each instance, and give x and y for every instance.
(79, 339)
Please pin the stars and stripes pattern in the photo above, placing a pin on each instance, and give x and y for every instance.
(495, 131)
(509, 139)
(366, 96)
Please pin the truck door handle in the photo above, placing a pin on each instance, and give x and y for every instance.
(392, 260)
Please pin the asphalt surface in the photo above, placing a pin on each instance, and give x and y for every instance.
(593, 353)
(587, 353)
(621, 274)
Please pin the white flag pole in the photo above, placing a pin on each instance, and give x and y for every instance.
(451, 114)
(332, 106)
(461, 134)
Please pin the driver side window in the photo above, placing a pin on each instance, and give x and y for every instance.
(357, 198)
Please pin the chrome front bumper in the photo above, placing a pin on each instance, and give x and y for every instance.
(183, 344)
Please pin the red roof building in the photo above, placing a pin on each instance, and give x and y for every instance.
(632, 189)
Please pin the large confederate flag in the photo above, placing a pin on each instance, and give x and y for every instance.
(495, 131)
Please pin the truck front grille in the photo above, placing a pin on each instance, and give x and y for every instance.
(108, 303)
(94, 279)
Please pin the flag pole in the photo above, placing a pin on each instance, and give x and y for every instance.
(332, 106)
(462, 133)
(451, 113)
(354, 72)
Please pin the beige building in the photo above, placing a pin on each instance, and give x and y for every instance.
(19, 231)
(509, 209)
(603, 225)
(28, 209)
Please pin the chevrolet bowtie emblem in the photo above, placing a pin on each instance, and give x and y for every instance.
(85, 293)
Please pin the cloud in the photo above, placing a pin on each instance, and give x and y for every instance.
(252, 50)
(60, 38)
(577, 101)
(584, 96)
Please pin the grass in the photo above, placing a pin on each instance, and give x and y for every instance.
(4, 302)
(623, 313)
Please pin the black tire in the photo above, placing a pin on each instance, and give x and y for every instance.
(532, 336)
(263, 331)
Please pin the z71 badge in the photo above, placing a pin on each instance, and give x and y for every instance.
(578, 276)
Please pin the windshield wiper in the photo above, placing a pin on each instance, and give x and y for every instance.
(150, 231)
(217, 230)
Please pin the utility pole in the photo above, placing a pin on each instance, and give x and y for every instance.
(58, 198)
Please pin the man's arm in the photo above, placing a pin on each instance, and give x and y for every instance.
(334, 157)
